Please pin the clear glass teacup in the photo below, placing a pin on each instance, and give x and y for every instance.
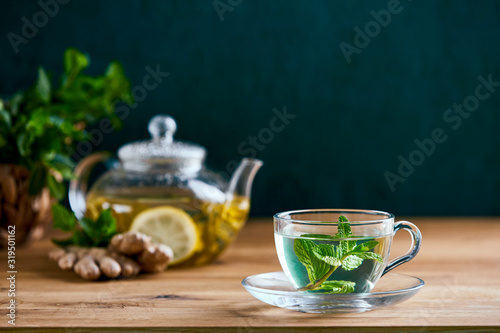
(320, 252)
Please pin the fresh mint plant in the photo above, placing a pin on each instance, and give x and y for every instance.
(86, 232)
(321, 260)
(40, 126)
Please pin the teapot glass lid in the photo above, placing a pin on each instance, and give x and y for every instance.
(162, 148)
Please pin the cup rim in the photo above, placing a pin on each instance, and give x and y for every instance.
(280, 216)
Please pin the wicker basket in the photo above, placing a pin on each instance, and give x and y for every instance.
(31, 215)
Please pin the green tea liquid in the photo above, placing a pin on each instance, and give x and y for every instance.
(365, 276)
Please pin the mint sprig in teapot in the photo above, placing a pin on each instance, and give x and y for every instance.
(161, 187)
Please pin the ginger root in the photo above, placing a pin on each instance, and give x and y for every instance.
(130, 267)
(155, 258)
(128, 254)
(109, 266)
(67, 260)
(56, 254)
(130, 243)
(87, 268)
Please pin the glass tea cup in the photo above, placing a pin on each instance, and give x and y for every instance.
(319, 254)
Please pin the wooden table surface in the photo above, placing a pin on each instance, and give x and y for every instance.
(459, 262)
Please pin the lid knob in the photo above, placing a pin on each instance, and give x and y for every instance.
(162, 128)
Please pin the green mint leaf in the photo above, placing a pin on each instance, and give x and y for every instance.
(61, 164)
(15, 102)
(92, 233)
(63, 242)
(89, 227)
(63, 218)
(332, 261)
(342, 218)
(318, 236)
(370, 255)
(63, 160)
(74, 63)
(5, 117)
(344, 247)
(46, 120)
(339, 287)
(99, 232)
(319, 269)
(344, 231)
(310, 273)
(38, 179)
(321, 260)
(106, 223)
(115, 72)
(24, 142)
(326, 253)
(42, 86)
(343, 228)
(366, 246)
(80, 238)
(351, 262)
(304, 250)
(57, 189)
(118, 83)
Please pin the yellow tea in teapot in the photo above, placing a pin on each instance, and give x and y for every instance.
(198, 231)
(162, 188)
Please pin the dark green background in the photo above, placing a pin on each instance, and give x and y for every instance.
(353, 120)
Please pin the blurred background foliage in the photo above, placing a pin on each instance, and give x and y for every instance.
(353, 120)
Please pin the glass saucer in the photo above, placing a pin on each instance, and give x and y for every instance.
(275, 289)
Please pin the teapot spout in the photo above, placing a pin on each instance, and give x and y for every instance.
(242, 179)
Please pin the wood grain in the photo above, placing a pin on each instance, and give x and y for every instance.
(459, 261)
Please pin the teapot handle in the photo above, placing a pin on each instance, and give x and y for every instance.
(78, 186)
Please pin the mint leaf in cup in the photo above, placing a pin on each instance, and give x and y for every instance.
(322, 258)
(338, 287)
(304, 250)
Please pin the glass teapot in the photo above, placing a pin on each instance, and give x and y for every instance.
(162, 188)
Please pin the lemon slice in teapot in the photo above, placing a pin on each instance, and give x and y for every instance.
(170, 226)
